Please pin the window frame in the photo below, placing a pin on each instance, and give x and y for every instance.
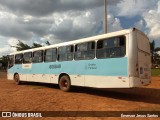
(72, 48)
(11, 61)
(30, 58)
(91, 49)
(42, 56)
(20, 60)
(110, 48)
(53, 60)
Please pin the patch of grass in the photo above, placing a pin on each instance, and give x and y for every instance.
(155, 72)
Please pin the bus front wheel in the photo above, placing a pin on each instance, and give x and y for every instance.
(65, 83)
(17, 79)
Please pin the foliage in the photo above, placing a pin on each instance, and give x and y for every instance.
(157, 49)
(48, 43)
(22, 46)
(154, 53)
(4, 61)
(36, 45)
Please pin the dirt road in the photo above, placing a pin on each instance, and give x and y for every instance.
(48, 97)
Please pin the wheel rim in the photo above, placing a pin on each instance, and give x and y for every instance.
(64, 83)
(16, 78)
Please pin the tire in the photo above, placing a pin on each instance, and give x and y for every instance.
(17, 79)
(65, 83)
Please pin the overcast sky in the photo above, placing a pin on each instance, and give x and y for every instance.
(63, 20)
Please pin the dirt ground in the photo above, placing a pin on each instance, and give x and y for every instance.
(48, 97)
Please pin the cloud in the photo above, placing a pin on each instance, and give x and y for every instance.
(148, 12)
(24, 27)
(23, 19)
(158, 6)
(7, 49)
(9, 26)
(83, 24)
(113, 23)
(140, 24)
(64, 20)
(132, 8)
(152, 18)
(69, 26)
(52, 20)
(47, 7)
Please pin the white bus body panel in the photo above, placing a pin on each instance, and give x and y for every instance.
(137, 82)
(144, 58)
(10, 76)
(106, 82)
(139, 59)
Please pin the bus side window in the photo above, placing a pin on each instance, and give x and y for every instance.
(37, 56)
(111, 47)
(54, 53)
(65, 53)
(100, 44)
(27, 57)
(100, 51)
(18, 58)
(50, 55)
(122, 41)
(85, 51)
(10, 61)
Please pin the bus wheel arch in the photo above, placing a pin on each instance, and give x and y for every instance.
(64, 82)
(17, 78)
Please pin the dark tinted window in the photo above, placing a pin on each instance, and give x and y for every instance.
(37, 56)
(27, 57)
(51, 55)
(65, 53)
(85, 51)
(18, 58)
(111, 47)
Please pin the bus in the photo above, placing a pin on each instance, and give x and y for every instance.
(119, 59)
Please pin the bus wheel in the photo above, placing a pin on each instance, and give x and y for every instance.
(65, 83)
(16, 79)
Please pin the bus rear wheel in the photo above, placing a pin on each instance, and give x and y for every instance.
(65, 83)
(17, 79)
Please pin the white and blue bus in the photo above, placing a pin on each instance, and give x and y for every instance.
(114, 60)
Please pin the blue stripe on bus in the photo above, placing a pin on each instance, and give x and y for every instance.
(100, 67)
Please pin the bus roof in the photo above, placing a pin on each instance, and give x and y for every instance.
(103, 36)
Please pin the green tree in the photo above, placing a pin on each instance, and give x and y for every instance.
(21, 46)
(4, 61)
(48, 43)
(157, 49)
(157, 55)
(152, 47)
(36, 45)
(154, 53)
